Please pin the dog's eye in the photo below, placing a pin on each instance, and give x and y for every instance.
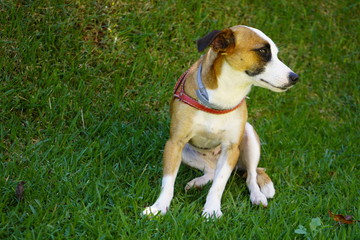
(265, 53)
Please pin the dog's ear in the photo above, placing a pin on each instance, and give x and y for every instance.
(220, 41)
(204, 42)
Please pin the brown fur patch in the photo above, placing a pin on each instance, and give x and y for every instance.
(180, 129)
(262, 178)
(210, 73)
(190, 84)
(243, 57)
(224, 41)
(236, 46)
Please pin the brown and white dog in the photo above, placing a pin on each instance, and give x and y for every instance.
(209, 129)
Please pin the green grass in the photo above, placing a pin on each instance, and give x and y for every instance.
(85, 88)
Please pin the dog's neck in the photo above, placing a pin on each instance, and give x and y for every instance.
(226, 87)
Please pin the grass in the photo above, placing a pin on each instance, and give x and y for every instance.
(85, 87)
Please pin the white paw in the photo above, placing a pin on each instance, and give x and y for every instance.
(197, 182)
(268, 190)
(152, 211)
(258, 198)
(212, 213)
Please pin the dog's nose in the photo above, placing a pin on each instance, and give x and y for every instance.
(293, 77)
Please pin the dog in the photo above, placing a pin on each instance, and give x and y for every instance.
(209, 129)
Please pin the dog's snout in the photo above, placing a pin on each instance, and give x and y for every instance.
(294, 78)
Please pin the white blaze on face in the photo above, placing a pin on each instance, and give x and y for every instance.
(276, 74)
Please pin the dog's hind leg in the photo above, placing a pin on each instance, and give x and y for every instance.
(204, 161)
(258, 182)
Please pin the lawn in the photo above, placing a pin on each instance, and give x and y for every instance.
(84, 100)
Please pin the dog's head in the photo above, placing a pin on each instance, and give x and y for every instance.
(249, 51)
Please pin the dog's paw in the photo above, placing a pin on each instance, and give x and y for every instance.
(268, 190)
(211, 213)
(198, 182)
(258, 199)
(152, 211)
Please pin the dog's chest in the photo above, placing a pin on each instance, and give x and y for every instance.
(211, 130)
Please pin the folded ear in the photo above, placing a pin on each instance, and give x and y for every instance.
(220, 41)
(204, 42)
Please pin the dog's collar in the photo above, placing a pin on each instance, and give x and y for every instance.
(203, 104)
(201, 93)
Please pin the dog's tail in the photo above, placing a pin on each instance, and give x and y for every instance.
(265, 183)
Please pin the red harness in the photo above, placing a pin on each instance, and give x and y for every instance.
(180, 94)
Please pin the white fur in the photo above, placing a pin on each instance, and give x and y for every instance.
(217, 129)
(233, 86)
(163, 202)
(204, 161)
(268, 190)
(212, 206)
(276, 73)
(249, 159)
(212, 129)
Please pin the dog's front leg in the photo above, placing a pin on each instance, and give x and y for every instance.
(171, 163)
(226, 163)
